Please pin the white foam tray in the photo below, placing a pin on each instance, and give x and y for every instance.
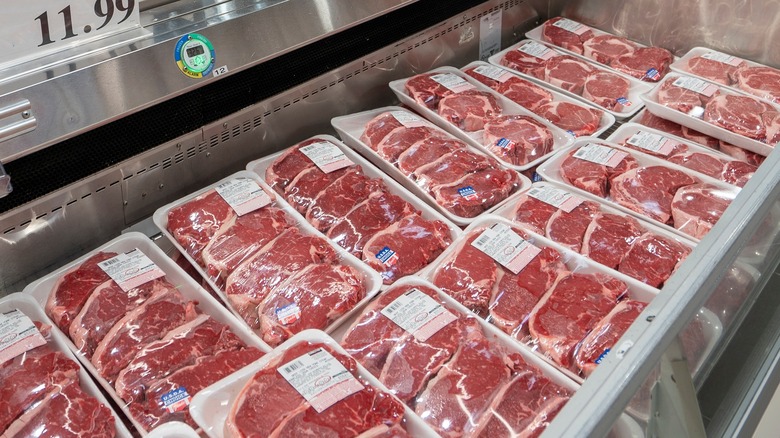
(34, 310)
(550, 171)
(636, 87)
(174, 429)
(211, 407)
(626, 131)
(371, 279)
(680, 66)
(351, 127)
(259, 167)
(561, 138)
(188, 287)
(651, 102)
(624, 427)
(607, 119)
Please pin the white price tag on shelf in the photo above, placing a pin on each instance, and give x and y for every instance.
(600, 154)
(33, 28)
(131, 269)
(244, 195)
(503, 245)
(18, 335)
(418, 313)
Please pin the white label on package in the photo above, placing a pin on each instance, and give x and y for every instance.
(452, 82)
(503, 245)
(600, 155)
(571, 26)
(320, 379)
(493, 72)
(419, 314)
(558, 198)
(724, 58)
(17, 335)
(131, 269)
(538, 50)
(652, 142)
(176, 400)
(327, 156)
(697, 85)
(244, 195)
(409, 120)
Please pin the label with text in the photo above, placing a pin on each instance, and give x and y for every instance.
(176, 400)
(419, 314)
(600, 154)
(723, 58)
(387, 256)
(18, 335)
(696, 85)
(288, 314)
(493, 72)
(327, 156)
(503, 245)
(408, 119)
(131, 269)
(452, 82)
(571, 26)
(536, 49)
(468, 193)
(244, 195)
(653, 142)
(560, 199)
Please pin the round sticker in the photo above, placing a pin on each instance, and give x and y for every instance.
(194, 55)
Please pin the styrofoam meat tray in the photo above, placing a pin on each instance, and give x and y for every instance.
(561, 138)
(371, 279)
(607, 119)
(681, 66)
(351, 127)
(259, 167)
(173, 429)
(188, 287)
(211, 407)
(34, 310)
(550, 171)
(636, 87)
(651, 102)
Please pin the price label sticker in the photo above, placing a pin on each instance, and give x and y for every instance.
(418, 313)
(652, 142)
(571, 26)
(18, 335)
(696, 85)
(560, 199)
(503, 245)
(34, 28)
(320, 379)
(493, 72)
(723, 58)
(600, 154)
(288, 314)
(537, 50)
(327, 156)
(244, 195)
(176, 400)
(408, 119)
(131, 269)
(452, 82)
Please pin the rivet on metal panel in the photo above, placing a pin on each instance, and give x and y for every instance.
(224, 125)
(161, 186)
(178, 146)
(143, 194)
(26, 114)
(650, 318)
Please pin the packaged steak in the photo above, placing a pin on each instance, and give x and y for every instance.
(363, 211)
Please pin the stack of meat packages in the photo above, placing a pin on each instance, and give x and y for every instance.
(661, 193)
(574, 118)
(458, 378)
(515, 139)
(150, 343)
(359, 213)
(460, 180)
(42, 396)
(758, 80)
(279, 279)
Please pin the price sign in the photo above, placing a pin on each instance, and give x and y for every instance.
(33, 28)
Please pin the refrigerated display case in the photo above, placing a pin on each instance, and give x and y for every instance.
(97, 136)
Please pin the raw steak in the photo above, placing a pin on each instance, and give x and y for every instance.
(698, 137)
(517, 294)
(469, 110)
(285, 168)
(178, 348)
(696, 208)
(74, 288)
(389, 138)
(415, 241)
(570, 310)
(378, 128)
(772, 122)
(426, 91)
(575, 119)
(606, 90)
(517, 139)
(682, 99)
(568, 73)
(196, 222)
(302, 190)
(105, 306)
(564, 38)
(649, 190)
(738, 172)
(712, 70)
(426, 152)
(607, 48)
(734, 172)
(652, 259)
(738, 114)
(385, 432)
(468, 276)
(524, 63)
(592, 177)
(741, 154)
(321, 293)
(520, 91)
(368, 218)
(763, 82)
(568, 229)
(533, 214)
(604, 336)
(163, 311)
(66, 413)
(339, 198)
(609, 237)
(642, 61)
(490, 187)
(652, 121)
(254, 279)
(450, 168)
(242, 237)
(464, 388)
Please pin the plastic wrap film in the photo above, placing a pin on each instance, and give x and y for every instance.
(503, 396)
(360, 214)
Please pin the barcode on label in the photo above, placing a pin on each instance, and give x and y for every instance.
(483, 240)
(110, 262)
(393, 307)
(293, 366)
